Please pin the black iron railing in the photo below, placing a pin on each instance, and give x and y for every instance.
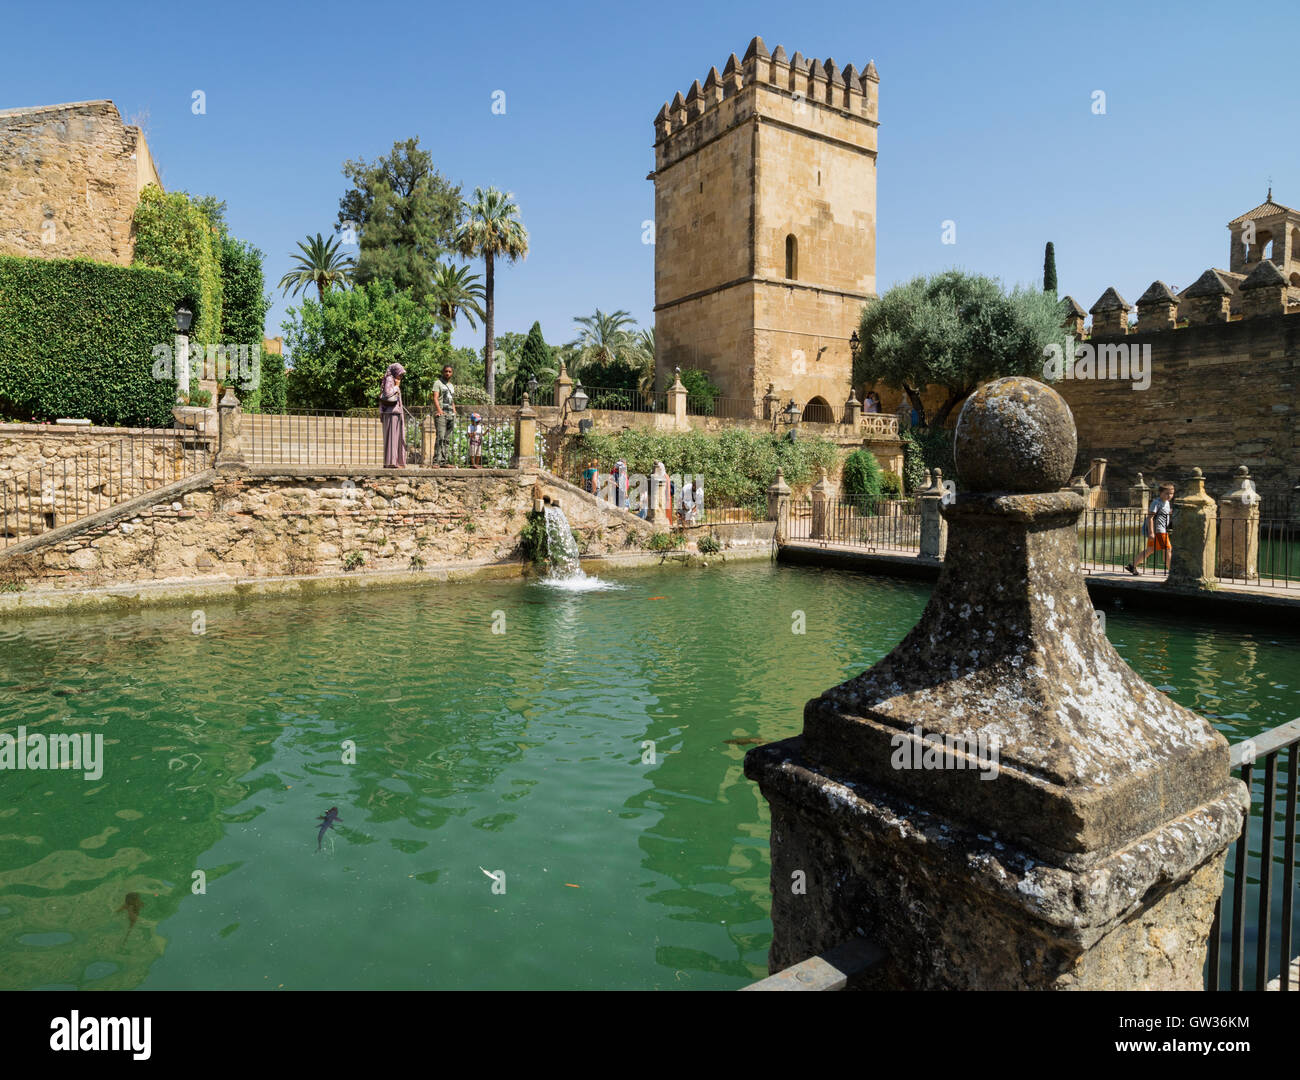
(726, 408)
(99, 478)
(1112, 538)
(620, 400)
(875, 524)
(1260, 878)
(355, 437)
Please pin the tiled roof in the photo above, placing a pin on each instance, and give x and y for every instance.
(1263, 210)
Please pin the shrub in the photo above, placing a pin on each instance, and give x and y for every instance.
(891, 483)
(926, 448)
(701, 392)
(861, 475)
(354, 560)
(77, 338)
(532, 538)
(708, 545)
(666, 541)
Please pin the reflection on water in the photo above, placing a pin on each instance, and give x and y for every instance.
(558, 804)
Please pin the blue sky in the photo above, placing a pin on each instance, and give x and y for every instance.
(986, 119)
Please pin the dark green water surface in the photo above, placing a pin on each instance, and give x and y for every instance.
(518, 752)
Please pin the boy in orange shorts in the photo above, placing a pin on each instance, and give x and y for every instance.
(1157, 528)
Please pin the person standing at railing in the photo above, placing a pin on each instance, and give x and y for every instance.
(444, 422)
(475, 435)
(393, 417)
(1156, 529)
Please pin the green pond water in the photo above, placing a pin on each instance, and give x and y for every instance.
(476, 752)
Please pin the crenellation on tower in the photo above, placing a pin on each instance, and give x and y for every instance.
(765, 206)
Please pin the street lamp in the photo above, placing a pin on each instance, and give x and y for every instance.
(853, 342)
(532, 387)
(790, 414)
(184, 319)
(579, 398)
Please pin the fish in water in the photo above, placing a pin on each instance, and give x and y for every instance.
(327, 819)
(745, 741)
(131, 905)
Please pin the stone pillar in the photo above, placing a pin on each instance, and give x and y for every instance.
(231, 426)
(1080, 487)
(181, 354)
(1001, 802)
(821, 496)
(852, 410)
(1139, 494)
(771, 401)
(778, 503)
(1192, 536)
(1073, 316)
(525, 455)
(1238, 554)
(659, 495)
(1097, 477)
(428, 439)
(934, 528)
(677, 402)
(563, 389)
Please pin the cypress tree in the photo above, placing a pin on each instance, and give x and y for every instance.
(535, 356)
(1049, 269)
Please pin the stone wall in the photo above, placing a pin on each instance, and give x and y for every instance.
(70, 178)
(1220, 396)
(51, 474)
(270, 522)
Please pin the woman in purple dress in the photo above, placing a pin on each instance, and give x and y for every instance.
(393, 417)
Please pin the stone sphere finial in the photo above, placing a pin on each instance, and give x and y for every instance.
(1242, 471)
(1015, 435)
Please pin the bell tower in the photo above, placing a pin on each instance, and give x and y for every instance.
(765, 225)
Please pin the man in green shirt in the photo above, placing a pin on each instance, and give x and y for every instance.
(444, 406)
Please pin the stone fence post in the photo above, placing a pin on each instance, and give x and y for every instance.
(1238, 547)
(852, 410)
(770, 402)
(677, 402)
(525, 455)
(1002, 802)
(778, 504)
(563, 389)
(1192, 536)
(934, 528)
(1139, 494)
(821, 495)
(230, 422)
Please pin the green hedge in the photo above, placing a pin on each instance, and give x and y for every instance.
(173, 234)
(77, 339)
(861, 475)
(738, 466)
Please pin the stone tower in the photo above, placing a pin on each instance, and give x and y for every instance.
(1275, 225)
(765, 223)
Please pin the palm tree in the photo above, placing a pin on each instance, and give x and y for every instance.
(455, 291)
(604, 340)
(643, 351)
(321, 263)
(492, 230)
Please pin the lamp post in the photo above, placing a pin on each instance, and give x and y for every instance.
(790, 415)
(532, 387)
(184, 320)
